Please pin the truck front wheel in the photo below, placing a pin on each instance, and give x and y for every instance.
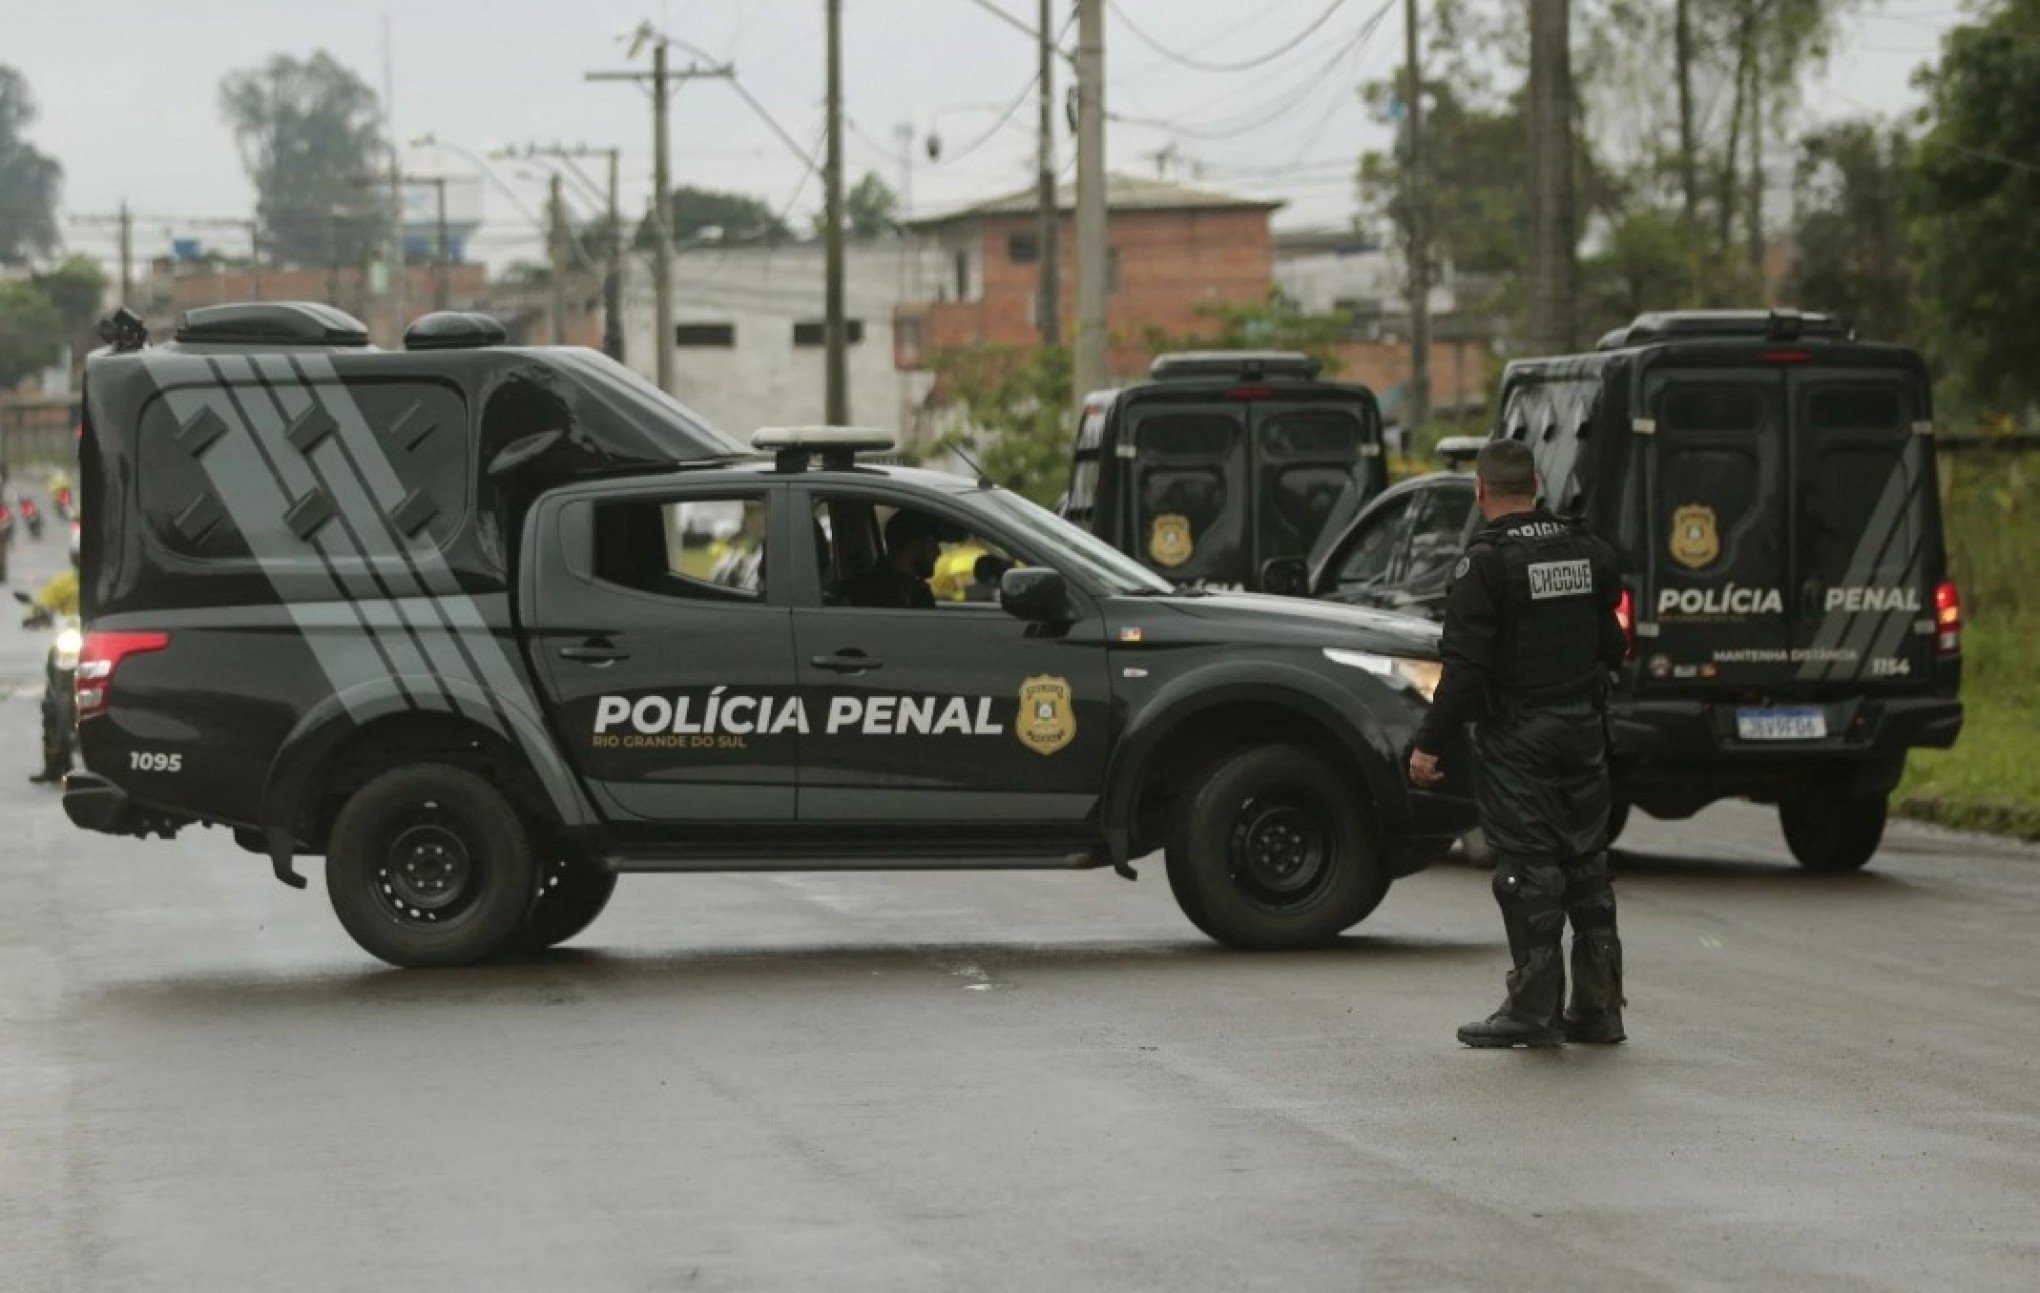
(429, 865)
(1270, 852)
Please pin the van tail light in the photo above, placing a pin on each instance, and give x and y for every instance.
(1947, 619)
(1788, 356)
(97, 660)
(1251, 393)
(1625, 615)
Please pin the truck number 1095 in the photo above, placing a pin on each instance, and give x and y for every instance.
(151, 761)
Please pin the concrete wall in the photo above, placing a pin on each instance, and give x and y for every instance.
(764, 379)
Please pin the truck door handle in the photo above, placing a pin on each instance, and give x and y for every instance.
(594, 651)
(846, 662)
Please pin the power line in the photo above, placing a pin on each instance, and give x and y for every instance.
(1259, 60)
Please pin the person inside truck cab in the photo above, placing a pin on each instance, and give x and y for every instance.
(898, 580)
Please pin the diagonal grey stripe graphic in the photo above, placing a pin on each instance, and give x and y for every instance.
(257, 504)
(470, 633)
(1835, 624)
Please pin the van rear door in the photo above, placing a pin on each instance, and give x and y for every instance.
(1717, 529)
(1867, 549)
(1791, 528)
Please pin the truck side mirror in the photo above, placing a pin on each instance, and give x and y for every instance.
(1285, 577)
(1035, 594)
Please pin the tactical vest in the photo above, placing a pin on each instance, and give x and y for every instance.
(1549, 648)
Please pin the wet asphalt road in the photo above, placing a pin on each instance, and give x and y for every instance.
(1019, 1081)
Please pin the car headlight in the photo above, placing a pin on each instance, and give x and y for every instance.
(69, 643)
(1420, 676)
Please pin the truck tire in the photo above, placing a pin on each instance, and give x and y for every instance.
(1270, 852)
(1830, 830)
(429, 865)
(568, 899)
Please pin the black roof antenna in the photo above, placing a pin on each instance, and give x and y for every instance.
(985, 480)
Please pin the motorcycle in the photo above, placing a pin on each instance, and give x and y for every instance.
(65, 500)
(59, 702)
(31, 515)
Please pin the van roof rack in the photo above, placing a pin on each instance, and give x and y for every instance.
(1249, 365)
(1720, 325)
(271, 323)
(792, 447)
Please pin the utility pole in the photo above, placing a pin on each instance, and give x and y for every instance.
(1090, 364)
(439, 245)
(1049, 305)
(1551, 178)
(1417, 400)
(838, 379)
(400, 270)
(255, 257)
(556, 246)
(662, 83)
(1756, 201)
(127, 256)
(1689, 161)
(612, 280)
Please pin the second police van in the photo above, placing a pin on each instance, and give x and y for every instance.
(1769, 482)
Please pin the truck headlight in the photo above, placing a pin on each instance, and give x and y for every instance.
(1420, 676)
(69, 643)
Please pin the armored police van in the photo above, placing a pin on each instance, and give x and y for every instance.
(1224, 464)
(487, 626)
(1769, 482)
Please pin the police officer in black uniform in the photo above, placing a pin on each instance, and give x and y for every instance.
(1530, 637)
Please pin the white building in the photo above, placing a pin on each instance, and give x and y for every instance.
(748, 346)
(1337, 272)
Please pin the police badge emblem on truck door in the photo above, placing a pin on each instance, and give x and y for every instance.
(1047, 720)
(1695, 542)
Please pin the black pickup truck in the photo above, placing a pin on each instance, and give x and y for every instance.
(487, 626)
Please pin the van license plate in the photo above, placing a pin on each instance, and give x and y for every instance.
(1781, 724)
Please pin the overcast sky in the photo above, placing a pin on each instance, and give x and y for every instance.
(129, 94)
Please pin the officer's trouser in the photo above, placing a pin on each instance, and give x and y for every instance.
(1543, 797)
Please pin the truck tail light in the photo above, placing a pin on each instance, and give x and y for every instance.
(1625, 615)
(1947, 619)
(1788, 356)
(97, 660)
(1251, 393)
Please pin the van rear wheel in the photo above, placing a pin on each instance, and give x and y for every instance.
(429, 865)
(1270, 852)
(1832, 830)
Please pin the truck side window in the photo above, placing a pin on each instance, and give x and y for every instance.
(1373, 553)
(1438, 538)
(698, 548)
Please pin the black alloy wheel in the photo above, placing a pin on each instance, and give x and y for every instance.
(429, 865)
(1272, 850)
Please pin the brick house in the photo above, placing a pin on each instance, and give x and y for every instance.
(1173, 248)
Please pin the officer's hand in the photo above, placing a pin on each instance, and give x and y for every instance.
(1424, 770)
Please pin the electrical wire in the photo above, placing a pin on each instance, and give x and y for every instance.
(1201, 65)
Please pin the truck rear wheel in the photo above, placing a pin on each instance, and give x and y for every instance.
(570, 895)
(1831, 830)
(429, 865)
(1270, 853)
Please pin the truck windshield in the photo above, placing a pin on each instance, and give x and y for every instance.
(1058, 544)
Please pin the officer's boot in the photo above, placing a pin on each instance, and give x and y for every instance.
(1596, 1011)
(1529, 891)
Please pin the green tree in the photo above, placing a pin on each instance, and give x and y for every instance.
(310, 136)
(31, 332)
(870, 209)
(1012, 401)
(1976, 187)
(30, 181)
(716, 218)
(1649, 261)
(1849, 234)
(77, 288)
(1273, 323)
